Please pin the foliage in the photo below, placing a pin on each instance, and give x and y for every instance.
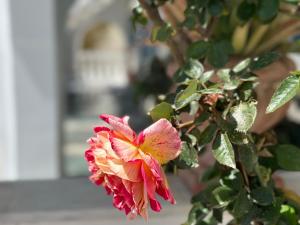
(222, 103)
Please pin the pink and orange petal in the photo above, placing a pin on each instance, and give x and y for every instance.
(129, 166)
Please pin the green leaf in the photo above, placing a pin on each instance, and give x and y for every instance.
(203, 117)
(242, 205)
(193, 68)
(288, 213)
(162, 33)
(262, 196)
(243, 116)
(188, 95)
(247, 157)
(207, 135)
(188, 157)
(242, 66)
(250, 216)
(224, 195)
(210, 173)
(138, 17)
(198, 50)
(218, 53)
(264, 60)
(211, 91)
(246, 90)
(162, 110)
(270, 214)
(189, 22)
(288, 157)
(233, 180)
(236, 137)
(223, 150)
(197, 212)
(285, 92)
(263, 174)
(215, 7)
(206, 76)
(267, 9)
(206, 196)
(194, 107)
(230, 82)
(246, 10)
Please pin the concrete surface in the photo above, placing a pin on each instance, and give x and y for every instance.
(76, 201)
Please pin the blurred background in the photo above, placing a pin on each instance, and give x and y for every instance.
(62, 63)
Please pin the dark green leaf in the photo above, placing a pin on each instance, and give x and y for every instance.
(162, 110)
(264, 60)
(189, 22)
(288, 157)
(250, 216)
(206, 196)
(203, 117)
(180, 76)
(237, 138)
(223, 151)
(246, 10)
(242, 205)
(270, 214)
(210, 173)
(243, 116)
(198, 50)
(233, 180)
(247, 157)
(218, 53)
(188, 95)
(246, 90)
(262, 196)
(267, 9)
(284, 93)
(215, 7)
(207, 135)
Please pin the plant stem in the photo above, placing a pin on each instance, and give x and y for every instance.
(186, 124)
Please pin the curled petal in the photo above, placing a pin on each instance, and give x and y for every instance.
(161, 141)
(124, 149)
(120, 126)
(99, 129)
(150, 184)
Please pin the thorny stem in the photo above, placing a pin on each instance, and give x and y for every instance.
(186, 124)
(154, 15)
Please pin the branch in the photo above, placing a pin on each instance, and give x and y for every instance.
(154, 15)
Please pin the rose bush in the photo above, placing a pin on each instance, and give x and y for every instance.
(128, 165)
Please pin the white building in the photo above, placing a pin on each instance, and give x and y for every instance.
(39, 42)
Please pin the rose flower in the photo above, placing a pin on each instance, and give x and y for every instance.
(128, 165)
